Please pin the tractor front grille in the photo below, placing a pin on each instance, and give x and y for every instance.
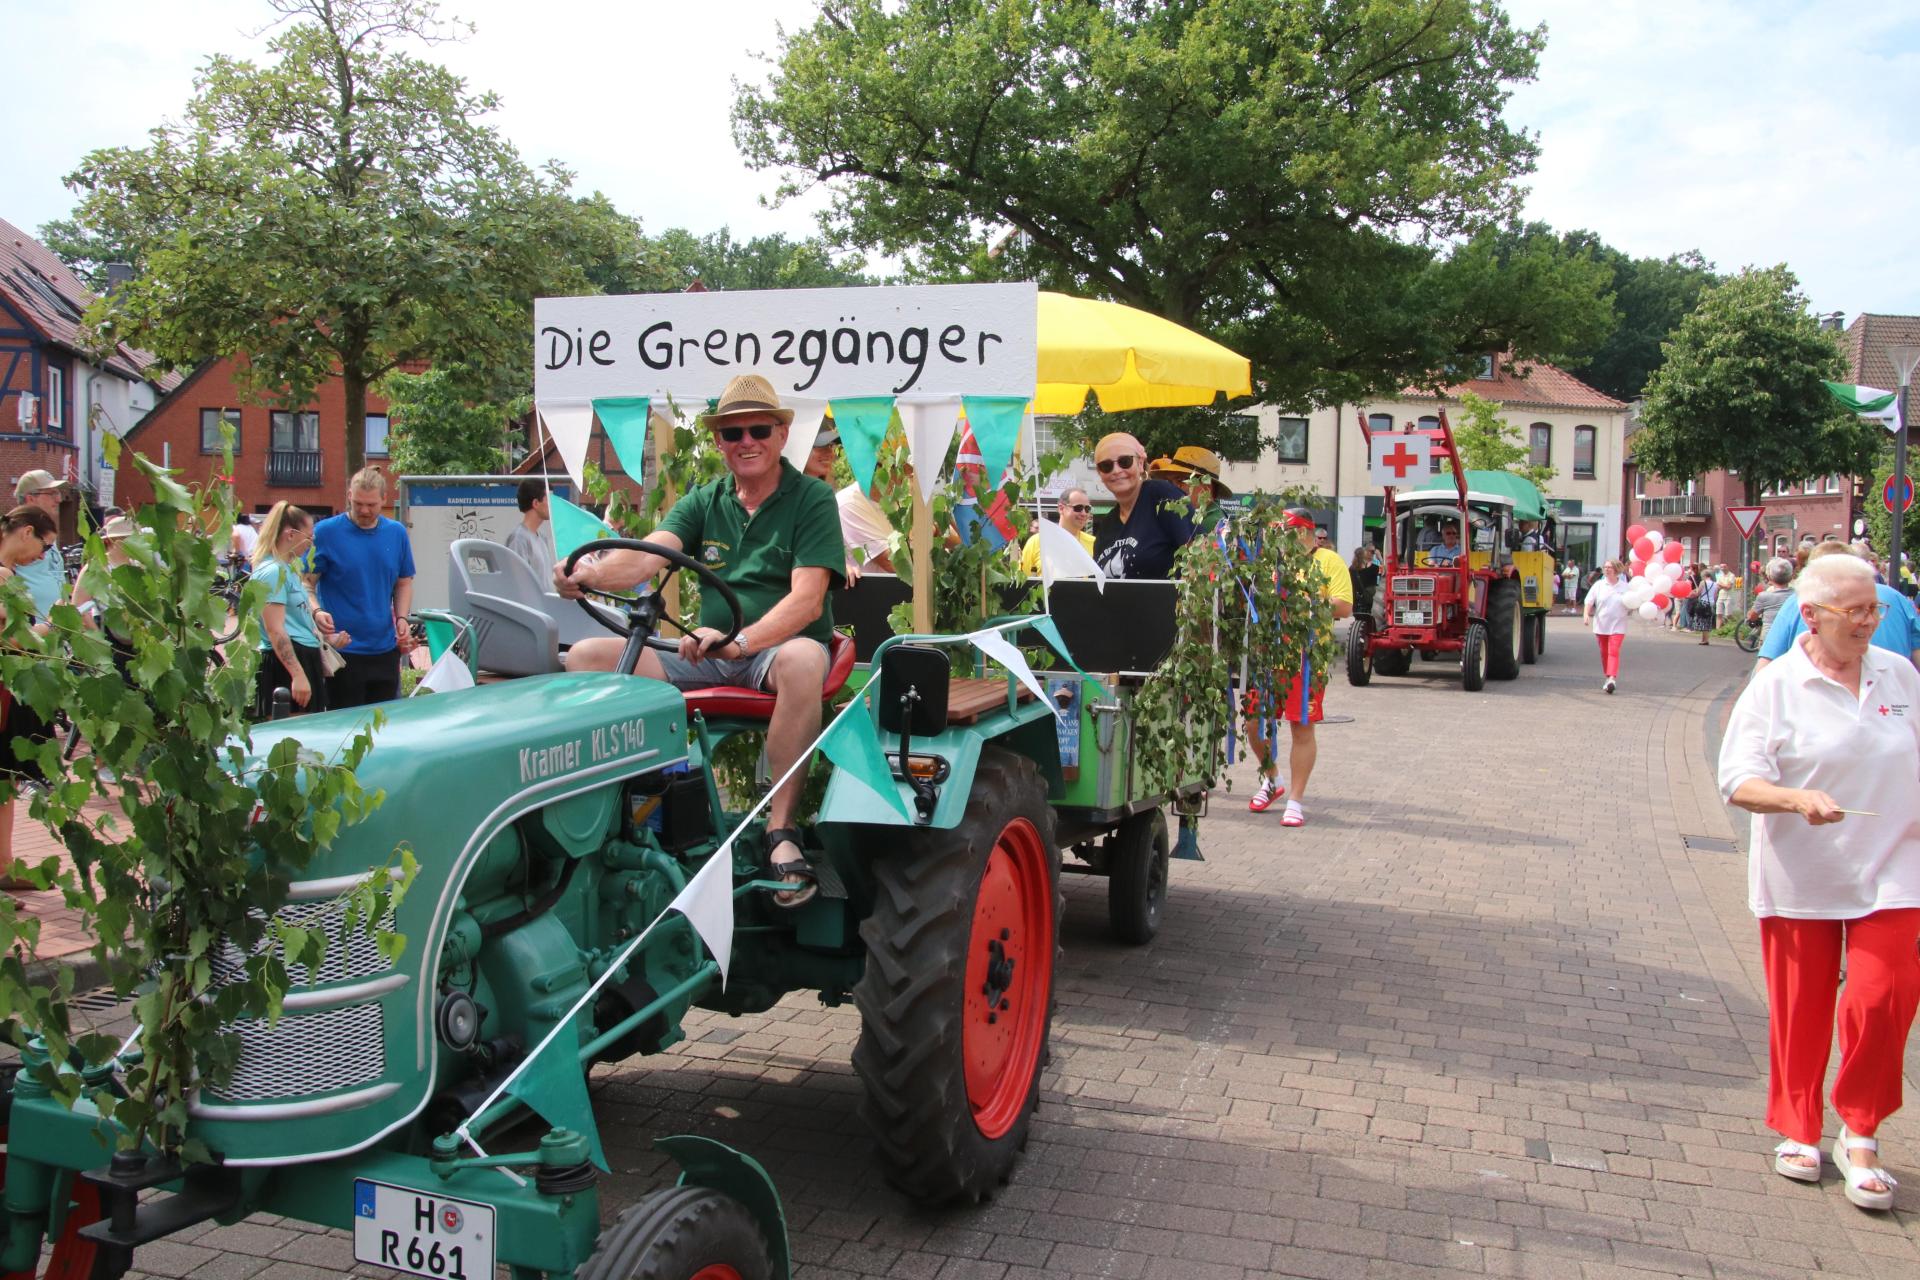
(304, 1055)
(1413, 586)
(352, 953)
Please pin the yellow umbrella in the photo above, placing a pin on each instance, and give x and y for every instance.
(1131, 359)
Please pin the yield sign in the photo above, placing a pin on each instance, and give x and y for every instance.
(1398, 459)
(1746, 518)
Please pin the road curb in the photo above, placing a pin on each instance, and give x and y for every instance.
(88, 972)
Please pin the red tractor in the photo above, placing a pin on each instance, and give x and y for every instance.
(1448, 583)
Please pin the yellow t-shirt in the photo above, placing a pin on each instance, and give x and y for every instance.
(1339, 582)
(1030, 554)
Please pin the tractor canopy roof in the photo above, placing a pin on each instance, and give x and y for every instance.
(1493, 488)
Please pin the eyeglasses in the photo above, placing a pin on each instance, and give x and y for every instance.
(733, 435)
(1124, 462)
(1859, 616)
(1081, 508)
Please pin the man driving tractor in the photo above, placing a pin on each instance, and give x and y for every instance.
(773, 535)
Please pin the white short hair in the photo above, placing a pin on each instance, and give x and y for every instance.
(1823, 579)
(1780, 571)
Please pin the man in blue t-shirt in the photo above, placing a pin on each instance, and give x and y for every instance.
(363, 567)
(1898, 632)
(1149, 522)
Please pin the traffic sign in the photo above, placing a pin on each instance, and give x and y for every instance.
(1747, 519)
(1906, 498)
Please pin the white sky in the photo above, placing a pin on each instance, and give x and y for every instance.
(1758, 131)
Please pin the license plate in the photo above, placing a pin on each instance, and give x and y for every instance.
(421, 1234)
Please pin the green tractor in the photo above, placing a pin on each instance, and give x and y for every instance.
(554, 818)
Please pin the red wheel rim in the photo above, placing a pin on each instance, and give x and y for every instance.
(1009, 979)
(715, 1271)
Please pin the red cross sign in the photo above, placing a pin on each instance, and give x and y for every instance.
(1397, 459)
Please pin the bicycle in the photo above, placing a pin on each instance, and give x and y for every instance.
(1747, 633)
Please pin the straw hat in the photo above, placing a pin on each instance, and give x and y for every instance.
(1193, 460)
(119, 527)
(748, 393)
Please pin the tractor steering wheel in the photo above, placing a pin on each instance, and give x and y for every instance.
(644, 611)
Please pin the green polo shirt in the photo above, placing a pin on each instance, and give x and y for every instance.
(797, 527)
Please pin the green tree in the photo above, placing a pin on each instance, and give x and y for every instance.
(1309, 184)
(1488, 442)
(437, 430)
(336, 210)
(1740, 390)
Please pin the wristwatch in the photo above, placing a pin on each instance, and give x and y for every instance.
(740, 638)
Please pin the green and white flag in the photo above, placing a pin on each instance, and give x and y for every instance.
(1869, 402)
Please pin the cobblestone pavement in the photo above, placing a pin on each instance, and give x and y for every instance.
(1489, 1013)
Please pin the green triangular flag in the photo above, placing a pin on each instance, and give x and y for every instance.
(555, 1085)
(996, 429)
(573, 527)
(1050, 632)
(625, 421)
(863, 422)
(854, 748)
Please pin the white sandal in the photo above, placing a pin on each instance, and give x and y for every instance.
(1783, 1157)
(1856, 1174)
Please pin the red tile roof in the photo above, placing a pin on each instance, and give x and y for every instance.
(1537, 386)
(46, 293)
(1865, 346)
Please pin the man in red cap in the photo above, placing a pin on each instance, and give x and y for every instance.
(1301, 703)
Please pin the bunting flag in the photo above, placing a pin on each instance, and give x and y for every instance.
(1882, 407)
(1062, 556)
(707, 903)
(853, 746)
(625, 420)
(807, 416)
(929, 427)
(448, 672)
(997, 647)
(996, 428)
(570, 427)
(573, 527)
(863, 422)
(1050, 632)
(554, 1084)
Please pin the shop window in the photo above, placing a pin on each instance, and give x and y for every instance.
(210, 420)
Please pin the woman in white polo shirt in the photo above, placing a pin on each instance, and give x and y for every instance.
(1824, 750)
(1606, 612)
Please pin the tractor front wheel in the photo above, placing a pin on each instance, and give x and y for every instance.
(1528, 633)
(1359, 654)
(1540, 636)
(681, 1233)
(1473, 658)
(1137, 877)
(956, 1003)
(1393, 662)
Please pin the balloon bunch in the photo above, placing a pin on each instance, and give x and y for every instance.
(1655, 570)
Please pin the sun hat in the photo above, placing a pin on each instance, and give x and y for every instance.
(1194, 460)
(119, 527)
(828, 437)
(37, 482)
(747, 393)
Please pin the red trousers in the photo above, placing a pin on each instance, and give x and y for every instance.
(1876, 1006)
(1610, 654)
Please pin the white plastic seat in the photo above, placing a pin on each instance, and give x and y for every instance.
(520, 625)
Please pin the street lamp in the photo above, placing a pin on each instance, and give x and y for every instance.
(1905, 357)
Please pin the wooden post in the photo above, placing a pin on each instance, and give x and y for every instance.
(921, 538)
(663, 428)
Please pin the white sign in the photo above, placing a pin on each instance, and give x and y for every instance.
(1398, 460)
(811, 344)
(1746, 518)
(421, 1233)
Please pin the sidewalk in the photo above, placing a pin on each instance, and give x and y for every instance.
(61, 940)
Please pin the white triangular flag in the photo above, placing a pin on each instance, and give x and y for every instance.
(1062, 556)
(570, 427)
(448, 673)
(996, 646)
(707, 903)
(929, 425)
(807, 415)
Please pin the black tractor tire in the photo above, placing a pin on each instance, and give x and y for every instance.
(675, 1234)
(953, 1028)
(1359, 653)
(1540, 636)
(1503, 628)
(1529, 635)
(1393, 662)
(1137, 877)
(1473, 658)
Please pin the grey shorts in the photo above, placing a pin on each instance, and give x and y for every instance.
(746, 673)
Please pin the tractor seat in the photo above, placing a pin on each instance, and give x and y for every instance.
(732, 702)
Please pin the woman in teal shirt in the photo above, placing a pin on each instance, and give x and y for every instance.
(290, 627)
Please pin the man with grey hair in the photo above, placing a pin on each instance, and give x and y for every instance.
(363, 567)
(1898, 631)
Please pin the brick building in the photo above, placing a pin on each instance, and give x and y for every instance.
(299, 455)
(58, 400)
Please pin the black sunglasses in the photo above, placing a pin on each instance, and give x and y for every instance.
(734, 435)
(1081, 507)
(1125, 463)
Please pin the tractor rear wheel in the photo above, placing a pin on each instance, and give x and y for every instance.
(1137, 877)
(1540, 636)
(1528, 654)
(680, 1233)
(956, 1003)
(1503, 628)
(1473, 658)
(1393, 662)
(1359, 654)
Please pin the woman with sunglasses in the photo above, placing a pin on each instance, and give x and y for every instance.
(1148, 524)
(1823, 749)
(1898, 631)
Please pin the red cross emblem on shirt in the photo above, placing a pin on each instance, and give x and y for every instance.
(1399, 460)
(1883, 709)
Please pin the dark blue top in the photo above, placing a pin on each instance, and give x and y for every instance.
(1145, 544)
(357, 569)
